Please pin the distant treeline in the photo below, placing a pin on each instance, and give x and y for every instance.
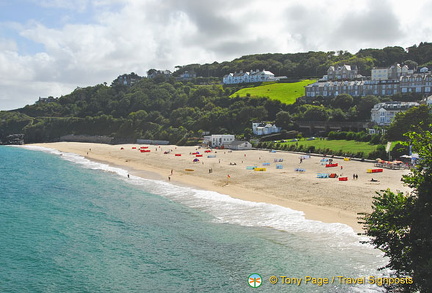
(168, 109)
(315, 64)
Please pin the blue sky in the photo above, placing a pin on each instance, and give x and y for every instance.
(50, 47)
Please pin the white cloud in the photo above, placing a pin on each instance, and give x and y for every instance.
(121, 36)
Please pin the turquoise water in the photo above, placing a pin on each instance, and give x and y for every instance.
(71, 225)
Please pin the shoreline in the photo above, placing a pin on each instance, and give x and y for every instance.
(326, 200)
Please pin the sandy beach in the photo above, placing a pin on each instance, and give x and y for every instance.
(324, 199)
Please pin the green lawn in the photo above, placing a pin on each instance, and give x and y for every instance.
(285, 92)
(350, 146)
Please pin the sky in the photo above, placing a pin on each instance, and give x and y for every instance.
(51, 47)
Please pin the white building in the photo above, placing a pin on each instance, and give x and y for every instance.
(248, 77)
(383, 113)
(379, 74)
(388, 73)
(260, 128)
(239, 145)
(217, 140)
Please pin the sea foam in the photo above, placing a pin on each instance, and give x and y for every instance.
(226, 209)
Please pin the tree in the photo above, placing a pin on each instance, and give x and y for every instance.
(411, 64)
(338, 115)
(401, 224)
(365, 106)
(406, 121)
(315, 113)
(342, 101)
(284, 120)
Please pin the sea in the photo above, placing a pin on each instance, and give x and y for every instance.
(68, 224)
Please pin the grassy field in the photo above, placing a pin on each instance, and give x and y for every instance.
(350, 146)
(285, 92)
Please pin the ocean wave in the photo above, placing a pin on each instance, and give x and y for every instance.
(226, 209)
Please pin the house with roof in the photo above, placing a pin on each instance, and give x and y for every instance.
(261, 128)
(429, 101)
(416, 83)
(238, 145)
(218, 140)
(50, 99)
(127, 79)
(248, 77)
(383, 82)
(344, 72)
(187, 75)
(393, 72)
(355, 88)
(384, 113)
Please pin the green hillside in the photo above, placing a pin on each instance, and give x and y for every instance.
(349, 146)
(287, 93)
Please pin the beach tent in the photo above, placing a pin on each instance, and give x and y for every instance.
(196, 160)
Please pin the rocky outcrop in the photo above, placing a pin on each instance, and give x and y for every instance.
(16, 139)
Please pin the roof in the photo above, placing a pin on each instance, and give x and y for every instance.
(396, 105)
(238, 142)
